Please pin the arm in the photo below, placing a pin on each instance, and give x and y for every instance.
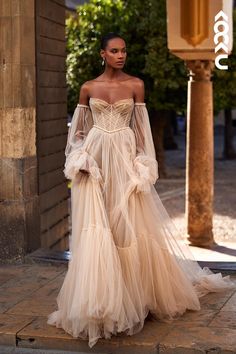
(84, 94)
(77, 158)
(145, 162)
(82, 130)
(139, 90)
(81, 122)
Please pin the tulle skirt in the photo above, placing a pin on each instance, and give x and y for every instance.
(127, 257)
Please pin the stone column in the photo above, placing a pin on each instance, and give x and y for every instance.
(19, 204)
(200, 154)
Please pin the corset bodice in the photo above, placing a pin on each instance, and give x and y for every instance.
(111, 117)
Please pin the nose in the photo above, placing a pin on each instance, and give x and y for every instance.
(121, 55)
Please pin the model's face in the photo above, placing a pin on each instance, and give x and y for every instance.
(115, 53)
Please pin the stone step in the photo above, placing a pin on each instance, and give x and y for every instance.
(11, 350)
(188, 335)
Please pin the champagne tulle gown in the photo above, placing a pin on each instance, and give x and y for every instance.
(127, 257)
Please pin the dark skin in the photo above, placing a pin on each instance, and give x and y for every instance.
(113, 84)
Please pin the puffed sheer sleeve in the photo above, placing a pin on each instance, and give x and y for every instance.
(145, 162)
(77, 158)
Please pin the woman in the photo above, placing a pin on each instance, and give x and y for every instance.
(127, 258)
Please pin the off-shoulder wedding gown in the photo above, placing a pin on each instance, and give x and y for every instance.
(127, 257)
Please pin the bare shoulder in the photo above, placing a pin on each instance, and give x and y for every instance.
(134, 80)
(138, 88)
(137, 83)
(84, 92)
(86, 85)
(86, 89)
(94, 81)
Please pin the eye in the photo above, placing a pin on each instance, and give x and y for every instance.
(114, 50)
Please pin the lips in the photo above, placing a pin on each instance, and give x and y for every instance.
(120, 62)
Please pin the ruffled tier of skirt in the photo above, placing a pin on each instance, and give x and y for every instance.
(124, 264)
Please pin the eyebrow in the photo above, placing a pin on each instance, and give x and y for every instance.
(117, 48)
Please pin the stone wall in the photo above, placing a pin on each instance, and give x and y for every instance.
(51, 122)
(33, 127)
(19, 212)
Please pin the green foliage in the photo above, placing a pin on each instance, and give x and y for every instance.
(224, 81)
(83, 33)
(142, 23)
(168, 89)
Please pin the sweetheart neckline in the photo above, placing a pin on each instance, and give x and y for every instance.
(111, 104)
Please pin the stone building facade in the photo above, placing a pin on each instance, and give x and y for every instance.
(33, 127)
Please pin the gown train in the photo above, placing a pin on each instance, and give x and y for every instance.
(127, 256)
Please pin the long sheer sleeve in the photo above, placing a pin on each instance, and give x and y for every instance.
(81, 123)
(145, 162)
(77, 158)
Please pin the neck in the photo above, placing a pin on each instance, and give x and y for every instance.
(112, 74)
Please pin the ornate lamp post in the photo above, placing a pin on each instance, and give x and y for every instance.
(191, 35)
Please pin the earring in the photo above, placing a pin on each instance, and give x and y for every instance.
(103, 61)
